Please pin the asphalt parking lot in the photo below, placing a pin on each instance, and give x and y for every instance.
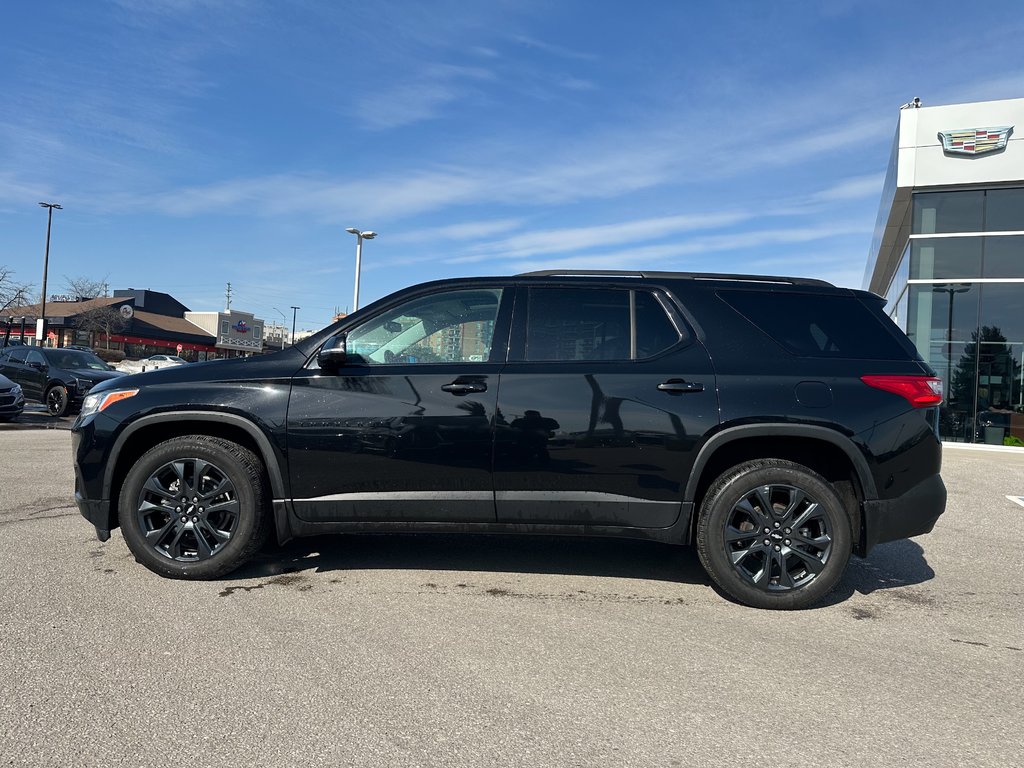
(499, 651)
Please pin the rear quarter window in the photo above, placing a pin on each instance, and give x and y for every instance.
(813, 325)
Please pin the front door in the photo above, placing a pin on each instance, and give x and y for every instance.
(403, 429)
(602, 407)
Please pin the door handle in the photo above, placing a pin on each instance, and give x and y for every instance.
(678, 386)
(464, 387)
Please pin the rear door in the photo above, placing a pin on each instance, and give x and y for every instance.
(602, 407)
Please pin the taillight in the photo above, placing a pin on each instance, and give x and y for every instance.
(920, 391)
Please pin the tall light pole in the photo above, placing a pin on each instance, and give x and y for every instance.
(360, 236)
(41, 321)
(294, 310)
(284, 320)
(952, 289)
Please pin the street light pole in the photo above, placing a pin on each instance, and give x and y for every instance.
(41, 322)
(294, 310)
(284, 321)
(952, 290)
(360, 236)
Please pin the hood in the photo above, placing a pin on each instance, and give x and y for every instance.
(93, 374)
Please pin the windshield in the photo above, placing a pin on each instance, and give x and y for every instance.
(71, 359)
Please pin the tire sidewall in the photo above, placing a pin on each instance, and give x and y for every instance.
(249, 497)
(715, 514)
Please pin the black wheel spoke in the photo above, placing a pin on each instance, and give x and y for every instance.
(796, 498)
(763, 577)
(153, 485)
(764, 500)
(813, 564)
(818, 543)
(734, 535)
(812, 511)
(739, 555)
(174, 547)
(157, 534)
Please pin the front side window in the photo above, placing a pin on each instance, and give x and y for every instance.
(450, 327)
(570, 324)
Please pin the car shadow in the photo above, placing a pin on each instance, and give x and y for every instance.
(889, 566)
(562, 555)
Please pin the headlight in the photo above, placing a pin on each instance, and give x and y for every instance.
(83, 385)
(96, 403)
(16, 390)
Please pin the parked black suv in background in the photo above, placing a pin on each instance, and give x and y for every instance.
(59, 377)
(779, 424)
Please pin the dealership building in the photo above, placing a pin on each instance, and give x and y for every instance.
(948, 255)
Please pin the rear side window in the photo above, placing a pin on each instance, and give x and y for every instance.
(812, 325)
(568, 324)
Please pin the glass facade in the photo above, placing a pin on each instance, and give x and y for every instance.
(958, 292)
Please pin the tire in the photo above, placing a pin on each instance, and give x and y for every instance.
(190, 539)
(56, 399)
(805, 550)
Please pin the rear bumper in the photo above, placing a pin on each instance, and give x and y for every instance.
(912, 514)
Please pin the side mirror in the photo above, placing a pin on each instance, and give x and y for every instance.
(332, 354)
(37, 366)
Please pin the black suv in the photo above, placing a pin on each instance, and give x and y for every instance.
(779, 424)
(59, 377)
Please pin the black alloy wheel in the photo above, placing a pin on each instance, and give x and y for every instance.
(188, 509)
(194, 507)
(774, 534)
(57, 400)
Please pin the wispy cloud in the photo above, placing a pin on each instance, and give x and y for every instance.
(420, 98)
(554, 50)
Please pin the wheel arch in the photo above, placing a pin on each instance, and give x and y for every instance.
(829, 453)
(141, 435)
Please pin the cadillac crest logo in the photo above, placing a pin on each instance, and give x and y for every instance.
(975, 141)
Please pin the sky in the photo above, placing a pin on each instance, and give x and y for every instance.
(194, 143)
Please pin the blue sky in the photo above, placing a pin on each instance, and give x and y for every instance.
(195, 143)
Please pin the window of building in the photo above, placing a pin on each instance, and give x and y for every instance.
(225, 327)
(939, 212)
(256, 332)
(571, 324)
(946, 258)
(1004, 257)
(1004, 210)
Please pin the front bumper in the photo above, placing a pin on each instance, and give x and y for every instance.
(912, 514)
(97, 513)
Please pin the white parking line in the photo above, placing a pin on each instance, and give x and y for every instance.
(1017, 499)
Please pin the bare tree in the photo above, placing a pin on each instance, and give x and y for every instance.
(12, 293)
(105, 320)
(85, 287)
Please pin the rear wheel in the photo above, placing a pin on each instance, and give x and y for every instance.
(194, 507)
(774, 534)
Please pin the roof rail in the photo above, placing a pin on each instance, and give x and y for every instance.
(676, 276)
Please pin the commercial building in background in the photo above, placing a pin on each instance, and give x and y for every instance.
(140, 323)
(948, 255)
(237, 333)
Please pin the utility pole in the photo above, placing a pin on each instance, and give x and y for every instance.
(294, 310)
(41, 321)
(227, 298)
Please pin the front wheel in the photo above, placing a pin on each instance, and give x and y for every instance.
(57, 400)
(194, 507)
(774, 534)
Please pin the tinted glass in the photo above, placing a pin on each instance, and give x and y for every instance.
(1004, 210)
(1004, 256)
(947, 257)
(450, 327)
(939, 313)
(811, 325)
(578, 324)
(948, 212)
(654, 331)
(18, 355)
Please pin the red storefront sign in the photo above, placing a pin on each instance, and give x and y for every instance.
(162, 343)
